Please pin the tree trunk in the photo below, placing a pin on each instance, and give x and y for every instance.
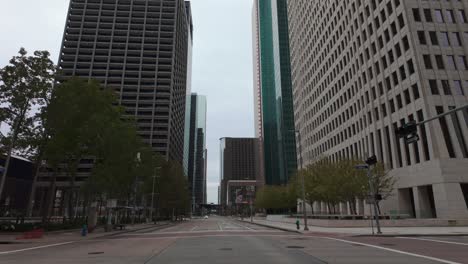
(16, 127)
(50, 198)
(32, 194)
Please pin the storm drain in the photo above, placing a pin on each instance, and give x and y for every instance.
(295, 247)
(95, 253)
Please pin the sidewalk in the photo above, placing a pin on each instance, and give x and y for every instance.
(356, 231)
(73, 234)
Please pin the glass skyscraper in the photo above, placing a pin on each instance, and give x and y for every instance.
(273, 91)
(195, 153)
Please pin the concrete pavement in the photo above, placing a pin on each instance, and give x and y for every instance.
(225, 240)
(389, 231)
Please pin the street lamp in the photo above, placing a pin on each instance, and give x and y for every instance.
(304, 211)
(370, 162)
(152, 193)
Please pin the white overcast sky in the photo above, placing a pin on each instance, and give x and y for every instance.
(222, 59)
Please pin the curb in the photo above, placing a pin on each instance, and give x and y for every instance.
(274, 227)
(414, 235)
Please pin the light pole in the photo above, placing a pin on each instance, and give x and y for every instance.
(304, 211)
(369, 162)
(152, 193)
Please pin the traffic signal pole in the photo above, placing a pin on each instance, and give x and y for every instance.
(410, 129)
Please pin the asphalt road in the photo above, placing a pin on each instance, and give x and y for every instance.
(224, 240)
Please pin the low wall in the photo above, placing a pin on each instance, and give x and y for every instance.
(366, 223)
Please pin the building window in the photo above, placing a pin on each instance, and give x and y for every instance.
(456, 41)
(458, 88)
(427, 62)
(459, 132)
(439, 16)
(449, 15)
(446, 87)
(462, 16)
(451, 65)
(444, 39)
(445, 132)
(423, 136)
(433, 37)
(415, 91)
(428, 15)
(422, 38)
(439, 62)
(464, 188)
(461, 61)
(433, 87)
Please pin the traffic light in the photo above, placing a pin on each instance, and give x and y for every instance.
(409, 132)
(371, 160)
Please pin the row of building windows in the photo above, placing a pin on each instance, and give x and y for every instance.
(440, 15)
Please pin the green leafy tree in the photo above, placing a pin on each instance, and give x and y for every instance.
(25, 86)
(383, 182)
(78, 117)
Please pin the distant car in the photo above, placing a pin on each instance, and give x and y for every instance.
(206, 217)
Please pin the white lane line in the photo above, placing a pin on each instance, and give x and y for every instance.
(193, 229)
(435, 240)
(220, 226)
(32, 248)
(394, 250)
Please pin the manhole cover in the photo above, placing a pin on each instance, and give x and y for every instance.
(95, 253)
(294, 247)
(226, 249)
(387, 244)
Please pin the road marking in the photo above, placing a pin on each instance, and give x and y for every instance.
(195, 227)
(220, 226)
(32, 248)
(434, 240)
(394, 250)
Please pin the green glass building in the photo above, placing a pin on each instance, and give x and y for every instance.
(273, 90)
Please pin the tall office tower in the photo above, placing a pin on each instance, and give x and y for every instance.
(361, 69)
(239, 167)
(196, 153)
(274, 118)
(141, 49)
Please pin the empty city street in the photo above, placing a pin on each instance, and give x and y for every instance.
(226, 240)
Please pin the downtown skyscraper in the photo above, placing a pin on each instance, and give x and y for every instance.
(142, 50)
(361, 69)
(195, 152)
(274, 119)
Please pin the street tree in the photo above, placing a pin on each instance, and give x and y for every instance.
(78, 116)
(25, 86)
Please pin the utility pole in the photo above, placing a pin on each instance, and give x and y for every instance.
(370, 162)
(304, 210)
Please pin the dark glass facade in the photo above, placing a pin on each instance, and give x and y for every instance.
(278, 136)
